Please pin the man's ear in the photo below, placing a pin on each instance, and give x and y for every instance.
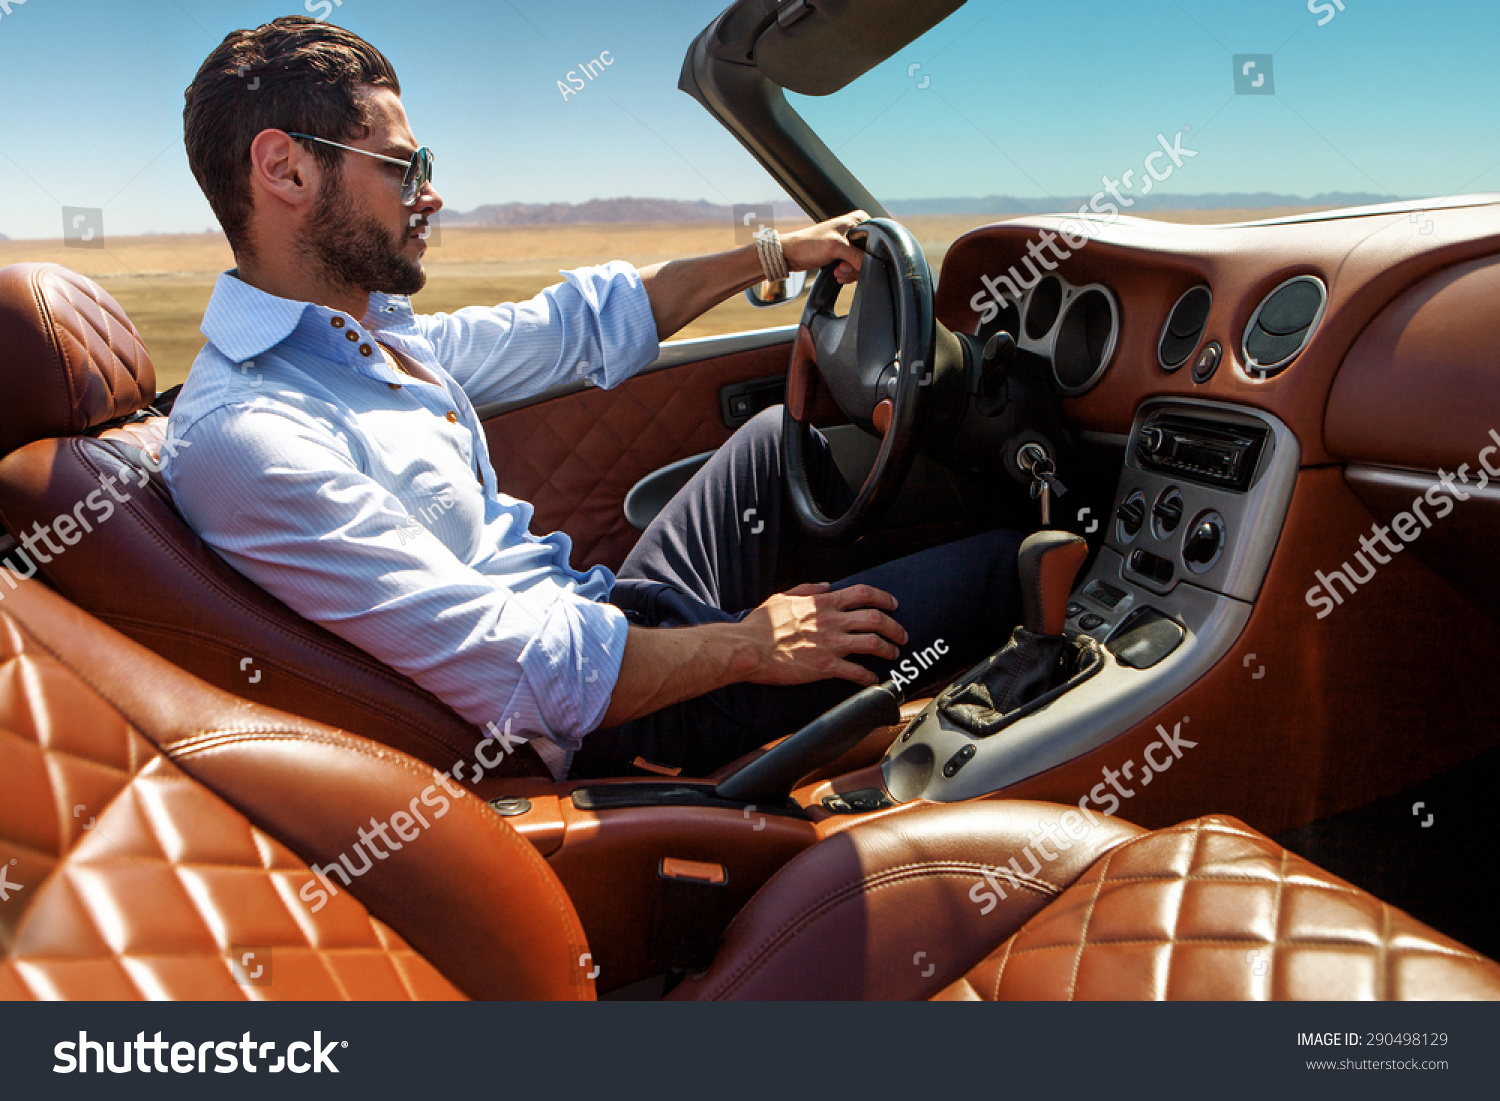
(281, 168)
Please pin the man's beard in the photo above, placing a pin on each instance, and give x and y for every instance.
(356, 251)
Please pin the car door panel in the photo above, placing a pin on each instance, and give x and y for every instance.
(576, 455)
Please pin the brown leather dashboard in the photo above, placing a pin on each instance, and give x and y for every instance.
(1420, 388)
(1368, 261)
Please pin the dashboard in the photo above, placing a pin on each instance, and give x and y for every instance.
(1260, 314)
(1208, 355)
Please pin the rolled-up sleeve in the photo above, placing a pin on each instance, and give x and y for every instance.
(597, 324)
(341, 550)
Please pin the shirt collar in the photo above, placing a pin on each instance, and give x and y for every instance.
(243, 321)
(388, 311)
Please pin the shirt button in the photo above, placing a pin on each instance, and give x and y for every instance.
(452, 416)
(366, 350)
(394, 385)
(337, 322)
(351, 336)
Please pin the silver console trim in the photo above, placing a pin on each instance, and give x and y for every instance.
(1213, 607)
(1259, 510)
(1046, 345)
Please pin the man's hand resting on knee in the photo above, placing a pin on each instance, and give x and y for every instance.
(803, 635)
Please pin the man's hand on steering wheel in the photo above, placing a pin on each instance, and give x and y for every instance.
(820, 245)
(808, 633)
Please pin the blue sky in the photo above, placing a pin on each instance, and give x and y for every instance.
(1026, 98)
(1045, 98)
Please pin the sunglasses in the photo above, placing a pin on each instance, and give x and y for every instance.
(418, 169)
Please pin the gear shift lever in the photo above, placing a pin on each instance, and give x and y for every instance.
(1039, 662)
(1048, 562)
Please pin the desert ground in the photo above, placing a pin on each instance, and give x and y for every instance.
(164, 281)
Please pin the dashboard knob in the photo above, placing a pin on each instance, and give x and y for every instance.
(1153, 440)
(1168, 511)
(1203, 544)
(1132, 513)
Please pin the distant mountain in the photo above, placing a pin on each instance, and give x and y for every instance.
(3, 237)
(677, 210)
(595, 210)
(1010, 204)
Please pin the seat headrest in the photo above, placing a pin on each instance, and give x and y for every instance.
(69, 357)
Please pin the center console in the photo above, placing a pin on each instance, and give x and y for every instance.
(1199, 508)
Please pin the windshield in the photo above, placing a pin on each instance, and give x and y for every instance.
(1214, 111)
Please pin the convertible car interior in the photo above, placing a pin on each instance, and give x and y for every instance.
(1198, 769)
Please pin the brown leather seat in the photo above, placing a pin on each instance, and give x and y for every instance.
(161, 838)
(901, 908)
(158, 836)
(71, 362)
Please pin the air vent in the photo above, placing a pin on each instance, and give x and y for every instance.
(1283, 324)
(1184, 328)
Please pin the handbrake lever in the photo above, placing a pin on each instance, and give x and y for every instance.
(770, 778)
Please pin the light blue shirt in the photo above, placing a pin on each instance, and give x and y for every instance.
(364, 499)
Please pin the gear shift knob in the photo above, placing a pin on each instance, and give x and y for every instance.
(1048, 562)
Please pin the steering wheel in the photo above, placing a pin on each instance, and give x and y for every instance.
(877, 363)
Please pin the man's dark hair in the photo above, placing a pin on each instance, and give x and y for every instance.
(293, 73)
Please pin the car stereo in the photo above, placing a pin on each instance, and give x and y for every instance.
(1209, 452)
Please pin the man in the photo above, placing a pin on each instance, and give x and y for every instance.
(334, 456)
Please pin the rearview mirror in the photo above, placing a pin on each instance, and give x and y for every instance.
(768, 293)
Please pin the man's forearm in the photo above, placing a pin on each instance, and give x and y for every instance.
(663, 666)
(805, 634)
(681, 290)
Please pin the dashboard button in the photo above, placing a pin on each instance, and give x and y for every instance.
(1207, 362)
(1104, 593)
(1090, 621)
(958, 760)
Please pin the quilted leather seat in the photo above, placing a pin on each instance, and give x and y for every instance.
(1210, 909)
(74, 369)
(917, 906)
(160, 838)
